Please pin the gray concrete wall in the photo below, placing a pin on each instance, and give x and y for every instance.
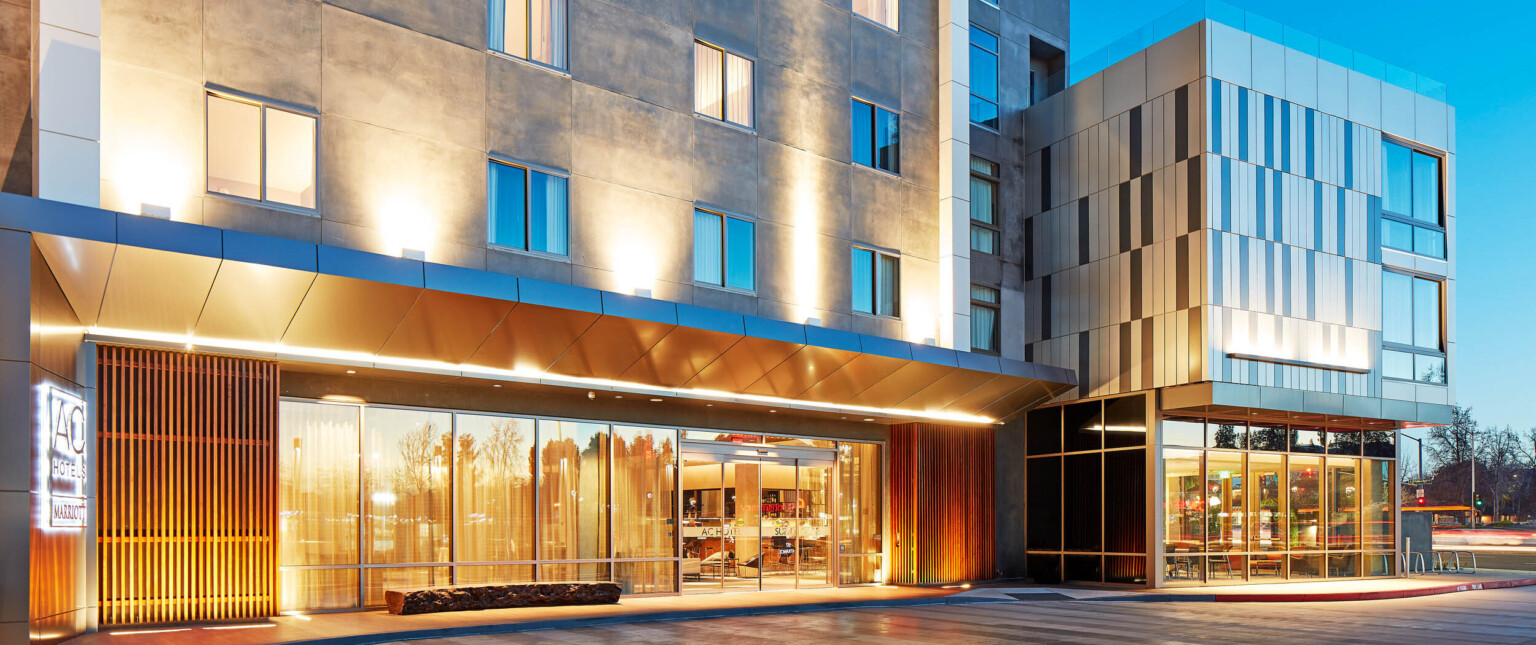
(412, 104)
(16, 136)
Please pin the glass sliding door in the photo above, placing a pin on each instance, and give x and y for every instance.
(860, 502)
(743, 525)
(813, 527)
(705, 561)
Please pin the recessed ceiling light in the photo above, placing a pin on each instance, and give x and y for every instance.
(709, 405)
(772, 411)
(655, 400)
(618, 396)
(868, 419)
(351, 371)
(496, 385)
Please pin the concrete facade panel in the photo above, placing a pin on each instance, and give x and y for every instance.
(458, 21)
(626, 52)
(528, 113)
(267, 48)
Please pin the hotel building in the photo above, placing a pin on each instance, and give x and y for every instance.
(303, 300)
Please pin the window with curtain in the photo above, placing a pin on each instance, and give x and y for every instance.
(533, 30)
(572, 490)
(876, 137)
(1411, 207)
(1412, 342)
(722, 84)
(876, 280)
(260, 152)
(984, 227)
(527, 209)
(724, 250)
(985, 305)
(984, 110)
(880, 11)
(492, 460)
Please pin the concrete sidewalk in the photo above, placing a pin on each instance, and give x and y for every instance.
(1331, 591)
(356, 628)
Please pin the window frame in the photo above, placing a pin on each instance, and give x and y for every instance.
(263, 105)
(996, 227)
(527, 168)
(725, 65)
(1407, 218)
(725, 247)
(896, 28)
(874, 282)
(874, 136)
(997, 58)
(1415, 350)
(997, 319)
(565, 38)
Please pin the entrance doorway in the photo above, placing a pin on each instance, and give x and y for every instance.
(755, 523)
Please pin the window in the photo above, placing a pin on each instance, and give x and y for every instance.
(984, 315)
(984, 229)
(527, 209)
(1411, 207)
(881, 11)
(875, 137)
(876, 282)
(983, 78)
(530, 29)
(724, 250)
(1412, 344)
(260, 152)
(722, 85)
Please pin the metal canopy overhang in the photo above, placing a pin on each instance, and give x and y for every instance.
(139, 279)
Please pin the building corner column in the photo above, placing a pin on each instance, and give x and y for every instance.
(67, 101)
(954, 175)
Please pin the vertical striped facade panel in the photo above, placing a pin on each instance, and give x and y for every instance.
(942, 504)
(186, 483)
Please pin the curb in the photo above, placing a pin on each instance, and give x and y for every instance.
(661, 616)
(1342, 596)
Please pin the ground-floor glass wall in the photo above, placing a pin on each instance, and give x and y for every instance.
(376, 497)
(1262, 502)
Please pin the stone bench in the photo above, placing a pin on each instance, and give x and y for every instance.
(405, 602)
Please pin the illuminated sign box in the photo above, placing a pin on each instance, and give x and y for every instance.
(67, 467)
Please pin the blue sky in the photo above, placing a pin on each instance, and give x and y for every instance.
(1484, 56)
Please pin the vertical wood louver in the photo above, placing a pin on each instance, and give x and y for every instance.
(186, 485)
(942, 504)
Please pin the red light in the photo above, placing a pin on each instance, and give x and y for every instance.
(1421, 501)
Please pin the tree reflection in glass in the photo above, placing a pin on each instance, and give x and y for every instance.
(493, 459)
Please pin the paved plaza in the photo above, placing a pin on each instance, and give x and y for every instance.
(1494, 616)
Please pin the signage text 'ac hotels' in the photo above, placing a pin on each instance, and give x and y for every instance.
(66, 459)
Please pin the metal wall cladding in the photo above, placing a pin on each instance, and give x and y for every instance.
(187, 484)
(942, 504)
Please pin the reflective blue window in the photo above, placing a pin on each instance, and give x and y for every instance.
(876, 281)
(983, 79)
(876, 137)
(724, 250)
(527, 209)
(1412, 313)
(1411, 202)
(740, 253)
(863, 133)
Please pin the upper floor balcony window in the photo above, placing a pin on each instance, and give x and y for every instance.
(876, 282)
(532, 30)
(1413, 312)
(1413, 212)
(983, 78)
(880, 11)
(876, 137)
(527, 209)
(261, 152)
(722, 85)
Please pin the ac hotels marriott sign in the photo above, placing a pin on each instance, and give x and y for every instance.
(66, 459)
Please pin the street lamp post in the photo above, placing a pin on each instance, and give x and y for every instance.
(1472, 459)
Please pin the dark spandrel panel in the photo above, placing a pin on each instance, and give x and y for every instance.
(1125, 422)
(1182, 431)
(1082, 512)
(1221, 433)
(1125, 568)
(1125, 501)
(1273, 438)
(1084, 568)
(1380, 443)
(1044, 431)
(1304, 439)
(1044, 568)
(1044, 511)
(1343, 442)
(1082, 426)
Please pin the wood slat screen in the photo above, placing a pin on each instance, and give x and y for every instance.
(942, 504)
(186, 485)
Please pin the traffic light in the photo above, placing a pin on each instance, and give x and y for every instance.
(1478, 501)
(1422, 501)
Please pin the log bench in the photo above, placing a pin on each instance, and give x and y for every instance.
(404, 602)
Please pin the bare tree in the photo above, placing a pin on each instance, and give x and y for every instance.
(1498, 455)
(1450, 458)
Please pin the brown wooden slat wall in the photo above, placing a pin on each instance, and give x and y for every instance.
(942, 504)
(186, 485)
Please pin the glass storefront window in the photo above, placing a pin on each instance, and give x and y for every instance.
(800, 442)
(861, 499)
(1125, 422)
(1343, 441)
(406, 494)
(573, 490)
(1377, 503)
(1226, 434)
(1179, 431)
(644, 514)
(381, 579)
(1268, 436)
(1184, 502)
(1307, 439)
(1082, 426)
(1343, 504)
(1224, 501)
(1266, 502)
(493, 459)
(317, 489)
(1044, 431)
(1305, 488)
(1380, 443)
